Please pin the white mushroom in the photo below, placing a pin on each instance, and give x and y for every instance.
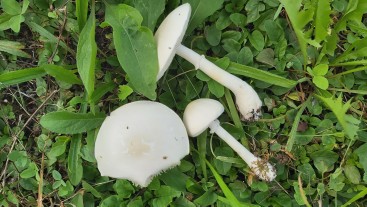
(139, 140)
(169, 36)
(203, 113)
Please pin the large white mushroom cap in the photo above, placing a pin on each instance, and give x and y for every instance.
(139, 140)
(170, 34)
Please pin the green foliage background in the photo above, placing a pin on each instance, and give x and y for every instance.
(65, 65)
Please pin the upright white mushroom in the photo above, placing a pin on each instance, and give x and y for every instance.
(203, 113)
(139, 140)
(169, 36)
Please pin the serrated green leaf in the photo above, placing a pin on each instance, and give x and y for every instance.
(124, 92)
(322, 20)
(20, 76)
(71, 123)
(201, 9)
(62, 74)
(150, 10)
(349, 124)
(135, 46)
(87, 53)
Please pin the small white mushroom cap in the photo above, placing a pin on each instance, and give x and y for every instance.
(170, 34)
(139, 140)
(200, 113)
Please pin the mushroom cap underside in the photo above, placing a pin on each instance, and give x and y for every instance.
(170, 34)
(139, 140)
(200, 113)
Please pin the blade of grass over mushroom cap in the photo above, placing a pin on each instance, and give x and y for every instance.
(131, 144)
(169, 36)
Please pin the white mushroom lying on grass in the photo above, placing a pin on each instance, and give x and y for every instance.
(203, 113)
(169, 36)
(139, 140)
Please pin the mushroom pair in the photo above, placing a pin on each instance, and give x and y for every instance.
(143, 138)
(202, 113)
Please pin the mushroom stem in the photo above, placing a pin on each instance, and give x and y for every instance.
(247, 100)
(261, 168)
(216, 73)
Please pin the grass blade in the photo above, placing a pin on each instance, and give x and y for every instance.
(81, 12)
(292, 134)
(258, 74)
(361, 194)
(20, 76)
(13, 48)
(227, 192)
(62, 74)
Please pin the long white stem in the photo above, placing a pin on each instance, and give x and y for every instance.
(261, 168)
(244, 153)
(247, 100)
(216, 73)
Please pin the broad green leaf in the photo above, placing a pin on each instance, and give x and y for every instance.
(30, 171)
(135, 47)
(64, 122)
(62, 74)
(352, 173)
(15, 22)
(150, 10)
(77, 199)
(57, 149)
(81, 11)
(322, 20)
(216, 88)
(253, 8)
(11, 7)
(14, 48)
(266, 56)
(86, 54)
(213, 35)
(321, 82)
(201, 9)
(207, 199)
(324, 160)
(257, 40)
(321, 69)
(20, 76)
(164, 196)
(361, 152)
